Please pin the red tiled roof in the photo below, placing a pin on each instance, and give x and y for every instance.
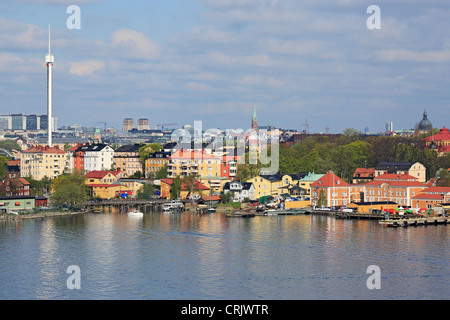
(443, 135)
(395, 176)
(440, 190)
(330, 180)
(426, 196)
(364, 172)
(198, 184)
(46, 149)
(96, 174)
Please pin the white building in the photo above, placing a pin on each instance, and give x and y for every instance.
(241, 190)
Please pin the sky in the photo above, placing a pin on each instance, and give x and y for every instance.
(312, 62)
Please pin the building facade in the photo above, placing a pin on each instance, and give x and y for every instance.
(127, 159)
(39, 162)
(193, 162)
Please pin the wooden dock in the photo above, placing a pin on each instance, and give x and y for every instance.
(406, 222)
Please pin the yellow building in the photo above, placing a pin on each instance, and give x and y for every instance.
(132, 186)
(267, 185)
(39, 162)
(103, 177)
(104, 191)
(309, 179)
(215, 184)
(155, 162)
(199, 163)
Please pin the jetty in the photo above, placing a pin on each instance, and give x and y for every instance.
(422, 221)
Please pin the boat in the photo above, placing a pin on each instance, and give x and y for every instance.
(174, 206)
(135, 213)
(241, 215)
(211, 209)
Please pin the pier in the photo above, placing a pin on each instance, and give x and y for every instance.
(406, 222)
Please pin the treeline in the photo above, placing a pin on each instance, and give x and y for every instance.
(351, 151)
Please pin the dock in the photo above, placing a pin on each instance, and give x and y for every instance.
(406, 222)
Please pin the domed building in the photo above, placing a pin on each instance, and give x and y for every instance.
(425, 124)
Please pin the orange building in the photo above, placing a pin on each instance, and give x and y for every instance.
(399, 188)
(429, 197)
(330, 189)
(199, 189)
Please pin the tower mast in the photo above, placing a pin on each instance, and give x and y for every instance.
(49, 60)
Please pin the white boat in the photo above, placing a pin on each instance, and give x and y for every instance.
(173, 206)
(135, 213)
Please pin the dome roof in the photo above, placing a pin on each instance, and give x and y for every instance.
(425, 124)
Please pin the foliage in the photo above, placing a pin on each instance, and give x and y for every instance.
(176, 188)
(147, 191)
(69, 189)
(38, 187)
(443, 178)
(3, 171)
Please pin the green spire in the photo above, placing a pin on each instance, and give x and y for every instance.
(254, 112)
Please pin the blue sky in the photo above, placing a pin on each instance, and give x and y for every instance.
(178, 61)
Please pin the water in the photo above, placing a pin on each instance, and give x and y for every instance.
(211, 257)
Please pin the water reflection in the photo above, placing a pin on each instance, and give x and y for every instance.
(191, 256)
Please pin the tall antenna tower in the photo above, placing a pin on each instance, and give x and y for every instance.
(306, 125)
(49, 60)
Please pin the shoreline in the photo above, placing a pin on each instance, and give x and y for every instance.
(40, 215)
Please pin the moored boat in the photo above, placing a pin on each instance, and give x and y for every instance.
(135, 213)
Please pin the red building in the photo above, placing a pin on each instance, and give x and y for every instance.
(15, 187)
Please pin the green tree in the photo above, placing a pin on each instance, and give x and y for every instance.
(176, 188)
(147, 191)
(69, 189)
(443, 178)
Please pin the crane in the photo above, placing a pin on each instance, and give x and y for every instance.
(105, 123)
(163, 125)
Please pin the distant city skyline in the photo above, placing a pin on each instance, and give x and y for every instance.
(212, 61)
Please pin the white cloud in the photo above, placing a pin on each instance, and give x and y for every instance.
(133, 44)
(86, 67)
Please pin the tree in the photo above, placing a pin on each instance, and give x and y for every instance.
(69, 189)
(147, 191)
(176, 188)
(443, 178)
(3, 171)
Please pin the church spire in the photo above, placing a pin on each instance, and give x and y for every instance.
(254, 119)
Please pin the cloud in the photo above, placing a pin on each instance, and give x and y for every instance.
(88, 67)
(430, 56)
(133, 44)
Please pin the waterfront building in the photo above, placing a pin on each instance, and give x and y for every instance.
(39, 162)
(193, 162)
(267, 185)
(307, 180)
(430, 197)
(439, 142)
(330, 191)
(127, 159)
(415, 169)
(155, 162)
(215, 184)
(103, 177)
(198, 190)
(240, 190)
(399, 188)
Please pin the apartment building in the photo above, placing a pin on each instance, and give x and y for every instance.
(127, 159)
(39, 162)
(193, 162)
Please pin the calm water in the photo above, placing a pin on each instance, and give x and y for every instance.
(187, 256)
